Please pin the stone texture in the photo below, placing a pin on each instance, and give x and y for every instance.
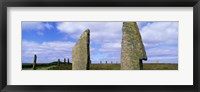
(132, 50)
(81, 52)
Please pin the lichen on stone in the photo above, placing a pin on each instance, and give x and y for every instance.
(81, 52)
(132, 51)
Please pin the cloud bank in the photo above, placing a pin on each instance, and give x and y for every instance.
(160, 40)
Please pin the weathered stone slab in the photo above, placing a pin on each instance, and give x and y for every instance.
(132, 51)
(81, 52)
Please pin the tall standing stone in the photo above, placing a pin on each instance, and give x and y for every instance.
(81, 52)
(132, 51)
(34, 62)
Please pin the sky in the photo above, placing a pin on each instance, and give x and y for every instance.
(54, 40)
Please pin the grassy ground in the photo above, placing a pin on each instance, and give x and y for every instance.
(160, 66)
(62, 66)
(105, 67)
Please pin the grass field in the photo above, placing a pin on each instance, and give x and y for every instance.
(63, 66)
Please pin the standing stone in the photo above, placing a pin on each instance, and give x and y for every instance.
(68, 60)
(132, 51)
(81, 52)
(58, 62)
(65, 60)
(34, 62)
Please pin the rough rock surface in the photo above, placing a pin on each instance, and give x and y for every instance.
(81, 52)
(132, 51)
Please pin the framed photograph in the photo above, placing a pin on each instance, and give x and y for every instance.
(121, 45)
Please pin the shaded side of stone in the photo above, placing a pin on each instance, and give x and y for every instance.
(81, 52)
(132, 51)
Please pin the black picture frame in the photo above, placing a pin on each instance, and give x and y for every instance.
(99, 3)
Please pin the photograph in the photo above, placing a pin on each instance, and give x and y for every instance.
(106, 45)
(99, 45)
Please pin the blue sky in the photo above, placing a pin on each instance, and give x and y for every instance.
(54, 40)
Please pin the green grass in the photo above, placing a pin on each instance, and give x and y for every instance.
(160, 66)
(105, 67)
(47, 66)
(62, 66)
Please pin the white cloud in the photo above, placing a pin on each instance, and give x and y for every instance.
(71, 27)
(108, 36)
(48, 26)
(160, 40)
(160, 33)
(162, 51)
(29, 26)
(46, 51)
(92, 49)
(99, 31)
(36, 26)
(107, 47)
(40, 33)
